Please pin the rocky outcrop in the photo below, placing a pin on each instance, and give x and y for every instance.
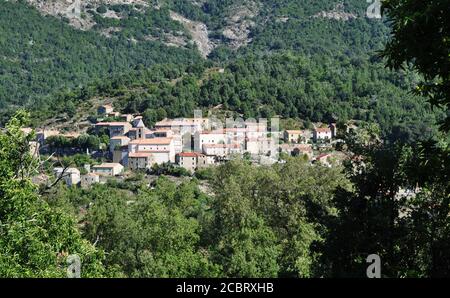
(337, 13)
(75, 10)
(239, 24)
(199, 33)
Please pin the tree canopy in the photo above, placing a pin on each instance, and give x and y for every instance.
(421, 39)
(35, 240)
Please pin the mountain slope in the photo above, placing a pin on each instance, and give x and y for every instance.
(45, 53)
(39, 54)
(52, 66)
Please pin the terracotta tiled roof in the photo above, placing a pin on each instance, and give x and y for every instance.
(91, 175)
(154, 141)
(106, 165)
(139, 154)
(213, 132)
(324, 155)
(112, 124)
(324, 129)
(120, 138)
(189, 154)
(222, 145)
(175, 122)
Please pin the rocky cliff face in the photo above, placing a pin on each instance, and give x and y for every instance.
(199, 33)
(338, 13)
(236, 29)
(237, 20)
(75, 10)
(240, 21)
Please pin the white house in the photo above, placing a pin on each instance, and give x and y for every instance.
(261, 145)
(140, 160)
(235, 135)
(183, 124)
(192, 161)
(118, 141)
(293, 136)
(162, 149)
(256, 130)
(211, 137)
(222, 150)
(89, 179)
(71, 176)
(322, 134)
(108, 169)
(160, 133)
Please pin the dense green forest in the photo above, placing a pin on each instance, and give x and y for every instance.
(291, 219)
(40, 55)
(315, 69)
(278, 84)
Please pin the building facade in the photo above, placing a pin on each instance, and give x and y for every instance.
(322, 134)
(192, 161)
(140, 160)
(71, 176)
(162, 149)
(108, 169)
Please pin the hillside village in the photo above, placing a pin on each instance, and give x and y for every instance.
(190, 144)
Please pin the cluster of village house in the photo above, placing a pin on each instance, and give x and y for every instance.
(191, 143)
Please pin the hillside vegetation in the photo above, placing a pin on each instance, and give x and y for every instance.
(297, 59)
(302, 60)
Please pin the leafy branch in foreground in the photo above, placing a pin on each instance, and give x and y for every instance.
(35, 240)
(421, 38)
